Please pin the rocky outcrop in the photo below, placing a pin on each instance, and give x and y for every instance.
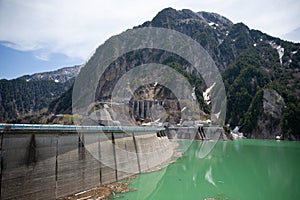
(268, 124)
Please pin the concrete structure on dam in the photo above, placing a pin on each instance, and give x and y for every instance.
(48, 164)
(207, 132)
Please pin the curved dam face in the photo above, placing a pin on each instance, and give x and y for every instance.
(192, 132)
(49, 165)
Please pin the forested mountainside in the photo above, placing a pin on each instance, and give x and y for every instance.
(260, 72)
(31, 93)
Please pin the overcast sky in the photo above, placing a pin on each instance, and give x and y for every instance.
(74, 28)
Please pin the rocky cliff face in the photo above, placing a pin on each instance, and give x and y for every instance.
(211, 30)
(268, 123)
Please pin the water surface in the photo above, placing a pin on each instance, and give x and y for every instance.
(243, 169)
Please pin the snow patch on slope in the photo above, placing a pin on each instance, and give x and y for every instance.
(280, 50)
(194, 94)
(206, 94)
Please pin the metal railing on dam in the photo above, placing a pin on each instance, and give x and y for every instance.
(58, 127)
(51, 161)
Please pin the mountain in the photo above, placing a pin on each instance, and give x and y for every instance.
(261, 73)
(209, 29)
(61, 75)
(31, 93)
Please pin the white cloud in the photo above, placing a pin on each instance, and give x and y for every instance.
(76, 27)
(44, 56)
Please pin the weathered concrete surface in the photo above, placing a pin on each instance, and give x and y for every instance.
(27, 166)
(49, 166)
(210, 133)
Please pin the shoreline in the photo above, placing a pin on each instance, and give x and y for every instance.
(104, 192)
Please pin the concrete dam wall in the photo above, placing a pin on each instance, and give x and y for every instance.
(193, 132)
(49, 165)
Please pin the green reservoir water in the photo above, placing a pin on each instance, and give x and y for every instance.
(243, 169)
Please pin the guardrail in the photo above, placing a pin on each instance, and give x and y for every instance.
(76, 127)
